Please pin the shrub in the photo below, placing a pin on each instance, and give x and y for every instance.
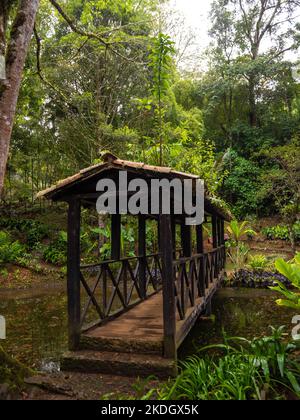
(259, 262)
(259, 279)
(56, 252)
(10, 251)
(281, 232)
(246, 370)
(292, 272)
(34, 231)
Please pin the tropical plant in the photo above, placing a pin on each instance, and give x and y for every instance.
(238, 254)
(282, 232)
(255, 369)
(56, 251)
(10, 251)
(160, 56)
(291, 270)
(259, 262)
(238, 250)
(237, 230)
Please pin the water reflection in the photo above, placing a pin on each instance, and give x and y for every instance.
(37, 323)
(245, 313)
(36, 328)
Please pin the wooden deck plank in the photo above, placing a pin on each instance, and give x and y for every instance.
(144, 322)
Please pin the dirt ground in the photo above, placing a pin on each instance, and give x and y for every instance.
(78, 386)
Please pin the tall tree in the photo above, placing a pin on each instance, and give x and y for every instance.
(15, 50)
(262, 31)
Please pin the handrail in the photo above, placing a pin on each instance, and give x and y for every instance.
(101, 263)
(196, 256)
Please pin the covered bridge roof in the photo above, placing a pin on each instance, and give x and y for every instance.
(60, 190)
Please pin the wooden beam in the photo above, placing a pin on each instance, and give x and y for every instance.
(173, 227)
(199, 239)
(169, 305)
(214, 231)
(115, 236)
(222, 232)
(73, 277)
(142, 254)
(186, 240)
(220, 241)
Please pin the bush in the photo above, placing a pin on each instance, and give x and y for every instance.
(34, 231)
(56, 252)
(246, 370)
(258, 279)
(259, 262)
(290, 270)
(10, 251)
(281, 232)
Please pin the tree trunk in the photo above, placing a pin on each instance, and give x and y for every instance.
(18, 46)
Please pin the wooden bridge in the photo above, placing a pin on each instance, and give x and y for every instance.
(129, 316)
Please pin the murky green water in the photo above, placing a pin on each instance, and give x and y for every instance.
(36, 326)
(37, 322)
(245, 313)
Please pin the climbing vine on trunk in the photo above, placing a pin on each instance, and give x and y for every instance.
(15, 51)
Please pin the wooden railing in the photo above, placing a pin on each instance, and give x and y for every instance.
(194, 275)
(113, 287)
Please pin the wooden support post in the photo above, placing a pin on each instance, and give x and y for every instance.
(201, 267)
(214, 222)
(169, 305)
(115, 236)
(199, 235)
(142, 254)
(73, 281)
(158, 235)
(223, 242)
(214, 231)
(222, 232)
(173, 227)
(186, 240)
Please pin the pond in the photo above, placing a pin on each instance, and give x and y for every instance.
(37, 322)
(245, 313)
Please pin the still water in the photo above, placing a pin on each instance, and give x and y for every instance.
(37, 322)
(36, 326)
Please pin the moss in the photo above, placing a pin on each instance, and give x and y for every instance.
(12, 372)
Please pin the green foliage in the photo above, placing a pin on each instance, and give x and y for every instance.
(242, 185)
(56, 251)
(259, 263)
(160, 61)
(33, 230)
(238, 230)
(291, 270)
(238, 251)
(161, 64)
(281, 232)
(10, 251)
(248, 370)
